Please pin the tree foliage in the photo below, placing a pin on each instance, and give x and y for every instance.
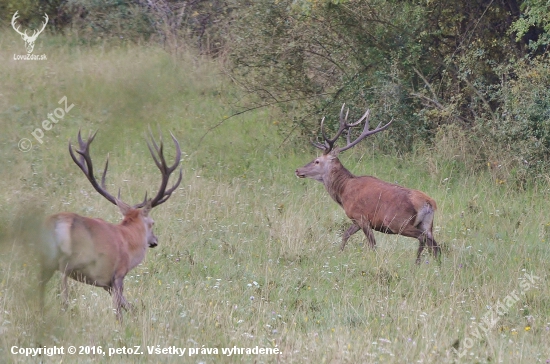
(534, 23)
(427, 64)
(480, 66)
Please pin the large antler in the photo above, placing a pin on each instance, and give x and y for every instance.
(328, 145)
(165, 170)
(85, 164)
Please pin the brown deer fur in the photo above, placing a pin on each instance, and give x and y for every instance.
(369, 202)
(373, 204)
(95, 252)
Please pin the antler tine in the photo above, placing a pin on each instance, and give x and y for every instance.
(177, 158)
(159, 164)
(366, 132)
(365, 115)
(343, 120)
(323, 129)
(343, 124)
(327, 147)
(168, 193)
(85, 164)
(329, 143)
(83, 147)
(350, 126)
(348, 134)
(105, 174)
(144, 200)
(318, 145)
(165, 170)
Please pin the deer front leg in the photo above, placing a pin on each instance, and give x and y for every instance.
(118, 297)
(123, 303)
(126, 305)
(349, 232)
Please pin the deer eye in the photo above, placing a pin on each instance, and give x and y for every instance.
(317, 162)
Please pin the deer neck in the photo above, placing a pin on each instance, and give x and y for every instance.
(336, 180)
(135, 235)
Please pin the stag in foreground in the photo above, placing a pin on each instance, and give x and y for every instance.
(369, 202)
(93, 251)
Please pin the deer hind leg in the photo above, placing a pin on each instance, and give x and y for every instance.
(436, 249)
(421, 246)
(427, 238)
(432, 244)
(349, 232)
(425, 224)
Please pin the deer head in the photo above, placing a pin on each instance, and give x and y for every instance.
(321, 166)
(85, 164)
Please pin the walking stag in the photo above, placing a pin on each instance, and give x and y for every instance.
(369, 202)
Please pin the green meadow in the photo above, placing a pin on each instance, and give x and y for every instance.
(248, 254)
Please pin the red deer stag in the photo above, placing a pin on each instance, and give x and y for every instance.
(370, 203)
(93, 251)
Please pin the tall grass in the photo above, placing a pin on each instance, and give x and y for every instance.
(248, 255)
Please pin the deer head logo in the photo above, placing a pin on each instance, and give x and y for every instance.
(29, 40)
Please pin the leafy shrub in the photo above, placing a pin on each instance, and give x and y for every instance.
(524, 124)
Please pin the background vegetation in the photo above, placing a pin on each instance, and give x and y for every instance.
(435, 66)
(248, 254)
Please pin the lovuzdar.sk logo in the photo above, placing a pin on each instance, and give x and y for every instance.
(29, 40)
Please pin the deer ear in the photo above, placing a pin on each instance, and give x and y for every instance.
(123, 206)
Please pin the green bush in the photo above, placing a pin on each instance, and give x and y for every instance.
(524, 125)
